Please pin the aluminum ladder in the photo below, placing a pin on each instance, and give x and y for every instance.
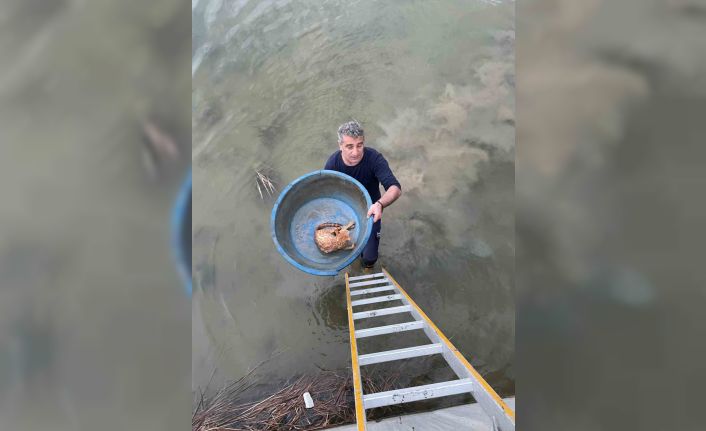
(469, 380)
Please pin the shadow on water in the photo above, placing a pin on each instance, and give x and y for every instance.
(331, 307)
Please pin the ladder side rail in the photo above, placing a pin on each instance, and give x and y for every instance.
(485, 395)
(361, 421)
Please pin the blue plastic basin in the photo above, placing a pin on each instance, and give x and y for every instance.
(314, 198)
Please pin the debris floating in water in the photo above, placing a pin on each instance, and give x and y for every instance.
(266, 182)
(308, 401)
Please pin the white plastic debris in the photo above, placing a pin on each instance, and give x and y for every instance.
(308, 401)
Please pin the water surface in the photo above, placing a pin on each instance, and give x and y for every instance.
(432, 82)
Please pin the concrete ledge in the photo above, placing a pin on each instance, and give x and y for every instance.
(467, 417)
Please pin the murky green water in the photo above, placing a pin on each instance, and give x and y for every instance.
(433, 84)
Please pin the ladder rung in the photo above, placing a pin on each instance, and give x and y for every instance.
(470, 381)
(416, 393)
(394, 355)
(363, 277)
(369, 282)
(373, 290)
(389, 329)
(381, 312)
(375, 299)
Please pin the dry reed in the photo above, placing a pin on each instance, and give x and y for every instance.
(284, 410)
(263, 181)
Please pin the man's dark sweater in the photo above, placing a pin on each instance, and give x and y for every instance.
(371, 171)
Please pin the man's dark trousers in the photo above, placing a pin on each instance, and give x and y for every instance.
(370, 252)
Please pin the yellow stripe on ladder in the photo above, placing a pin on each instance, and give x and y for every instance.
(357, 383)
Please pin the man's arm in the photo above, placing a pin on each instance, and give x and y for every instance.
(391, 195)
(393, 189)
(385, 200)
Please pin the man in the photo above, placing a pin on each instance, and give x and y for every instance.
(370, 168)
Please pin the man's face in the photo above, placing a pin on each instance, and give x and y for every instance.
(352, 149)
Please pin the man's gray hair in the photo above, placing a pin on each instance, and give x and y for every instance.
(352, 129)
